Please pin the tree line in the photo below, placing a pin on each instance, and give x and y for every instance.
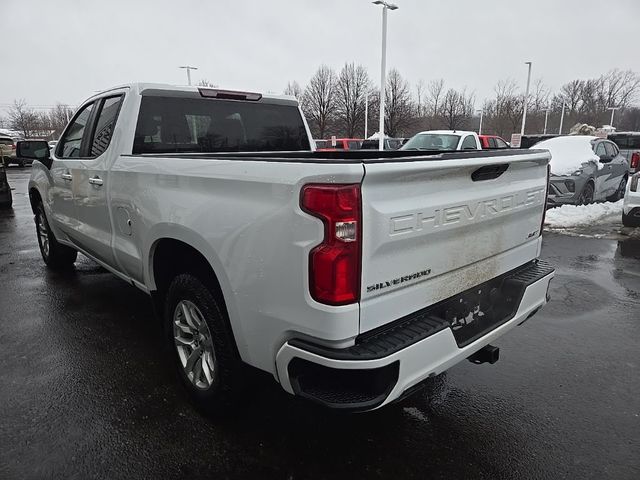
(335, 103)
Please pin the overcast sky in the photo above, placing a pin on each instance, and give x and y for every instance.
(65, 50)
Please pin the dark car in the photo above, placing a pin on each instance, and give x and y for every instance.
(629, 145)
(584, 169)
(6, 199)
(389, 144)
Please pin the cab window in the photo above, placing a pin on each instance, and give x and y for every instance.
(469, 143)
(70, 144)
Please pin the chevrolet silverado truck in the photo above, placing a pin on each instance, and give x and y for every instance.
(350, 277)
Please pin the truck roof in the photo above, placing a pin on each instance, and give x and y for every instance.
(192, 91)
(448, 132)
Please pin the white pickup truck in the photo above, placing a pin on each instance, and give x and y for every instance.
(351, 277)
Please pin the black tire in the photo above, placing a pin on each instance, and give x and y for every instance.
(225, 383)
(54, 254)
(586, 196)
(630, 221)
(619, 195)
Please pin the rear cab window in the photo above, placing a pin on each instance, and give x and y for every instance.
(182, 125)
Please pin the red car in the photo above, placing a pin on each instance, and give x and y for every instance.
(341, 144)
(492, 141)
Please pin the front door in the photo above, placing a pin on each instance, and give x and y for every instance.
(91, 196)
(65, 160)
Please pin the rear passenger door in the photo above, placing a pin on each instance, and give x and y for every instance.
(92, 178)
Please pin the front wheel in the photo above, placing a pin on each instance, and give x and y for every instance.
(54, 254)
(586, 197)
(201, 343)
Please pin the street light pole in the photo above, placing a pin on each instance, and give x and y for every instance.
(564, 104)
(383, 67)
(526, 99)
(613, 110)
(188, 69)
(480, 126)
(366, 115)
(546, 118)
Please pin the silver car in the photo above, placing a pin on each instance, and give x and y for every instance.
(584, 169)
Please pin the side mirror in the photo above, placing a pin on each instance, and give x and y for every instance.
(605, 158)
(34, 150)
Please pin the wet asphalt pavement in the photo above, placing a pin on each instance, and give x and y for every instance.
(87, 390)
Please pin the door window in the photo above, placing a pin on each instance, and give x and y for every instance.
(70, 144)
(492, 143)
(600, 151)
(469, 143)
(500, 143)
(611, 149)
(106, 123)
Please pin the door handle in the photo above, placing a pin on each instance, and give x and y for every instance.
(96, 181)
(66, 176)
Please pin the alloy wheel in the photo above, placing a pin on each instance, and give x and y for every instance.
(194, 344)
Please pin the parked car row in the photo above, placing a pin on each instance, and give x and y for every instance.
(328, 145)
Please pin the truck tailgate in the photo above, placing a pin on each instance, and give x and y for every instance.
(434, 228)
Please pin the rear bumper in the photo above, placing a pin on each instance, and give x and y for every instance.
(390, 361)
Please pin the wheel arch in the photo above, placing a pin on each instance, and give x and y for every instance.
(176, 250)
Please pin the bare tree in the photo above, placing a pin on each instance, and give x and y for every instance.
(319, 100)
(23, 118)
(294, 89)
(435, 92)
(399, 111)
(206, 83)
(58, 118)
(352, 85)
(457, 108)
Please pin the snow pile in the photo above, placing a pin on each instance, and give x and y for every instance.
(568, 153)
(568, 216)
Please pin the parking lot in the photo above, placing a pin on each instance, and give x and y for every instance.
(88, 391)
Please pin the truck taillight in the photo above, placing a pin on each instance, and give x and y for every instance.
(334, 265)
(546, 197)
(635, 160)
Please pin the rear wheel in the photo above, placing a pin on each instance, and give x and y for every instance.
(619, 195)
(586, 197)
(201, 343)
(54, 254)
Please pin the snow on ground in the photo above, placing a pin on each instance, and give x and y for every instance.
(568, 153)
(569, 216)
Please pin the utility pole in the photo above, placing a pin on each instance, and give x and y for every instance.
(480, 127)
(526, 99)
(188, 69)
(383, 67)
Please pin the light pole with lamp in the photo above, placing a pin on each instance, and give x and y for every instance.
(383, 66)
(526, 99)
(480, 126)
(188, 69)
